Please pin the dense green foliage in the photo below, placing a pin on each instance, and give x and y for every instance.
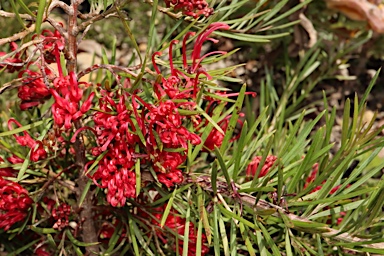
(294, 173)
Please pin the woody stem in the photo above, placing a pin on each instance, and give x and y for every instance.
(89, 234)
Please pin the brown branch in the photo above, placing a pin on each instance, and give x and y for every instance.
(22, 47)
(98, 17)
(18, 36)
(262, 205)
(62, 5)
(109, 67)
(12, 15)
(89, 233)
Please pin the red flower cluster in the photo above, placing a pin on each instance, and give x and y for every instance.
(165, 138)
(34, 91)
(9, 61)
(14, 203)
(7, 171)
(68, 95)
(193, 8)
(252, 167)
(61, 214)
(115, 132)
(176, 223)
(53, 43)
(36, 146)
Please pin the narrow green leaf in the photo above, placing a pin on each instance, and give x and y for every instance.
(345, 126)
(138, 174)
(369, 88)
(40, 14)
(239, 151)
(222, 165)
(129, 33)
(269, 239)
(288, 246)
(216, 237)
(24, 128)
(141, 239)
(44, 230)
(16, 11)
(248, 243)
(77, 242)
(233, 120)
(223, 235)
(22, 249)
(77, 250)
(246, 38)
(230, 214)
(133, 236)
(25, 7)
(214, 176)
(167, 209)
(186, 231)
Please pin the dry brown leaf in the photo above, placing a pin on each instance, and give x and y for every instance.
(361, 10)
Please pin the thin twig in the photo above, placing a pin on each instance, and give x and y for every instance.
(18, 36)
(261, 205)
(22, 47)
(12, 15)
(98, 17)
(110, 68)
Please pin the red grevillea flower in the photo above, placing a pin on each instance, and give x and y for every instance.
(216, 137)
(67, 96)
(179, 85)
(42, 251)
(34, 91)
(36, 146)
(114, 175)
(15, 160)
(193, 8)
(7, 171)
(61, 214)
(14, 203)
(9, 61)
(166, 121)
(114, 130)
(176, 223)
(52, 44)
(108, 228)
(252, 167)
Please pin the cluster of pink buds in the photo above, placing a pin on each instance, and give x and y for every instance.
(176, 224)
(193, 8)
(14, 203)
(61, 214)
(254, 165)
(36, 146)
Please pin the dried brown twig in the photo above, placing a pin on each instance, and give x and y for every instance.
(204, 182)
